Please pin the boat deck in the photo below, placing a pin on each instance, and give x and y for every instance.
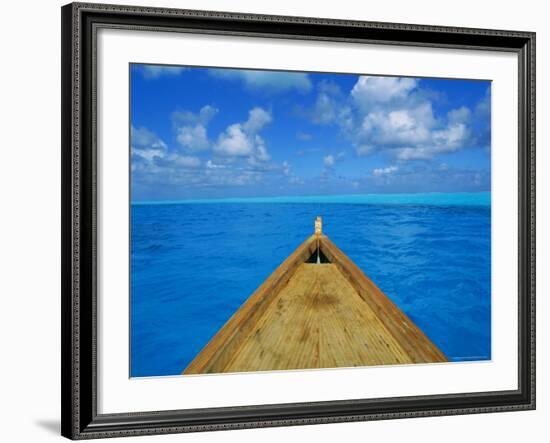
(317, 321)
(315, 315)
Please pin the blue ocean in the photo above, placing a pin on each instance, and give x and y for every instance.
(194, 263)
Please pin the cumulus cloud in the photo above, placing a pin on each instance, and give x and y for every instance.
(325, 110)
(152, 72)
(393, 115)
(234, 142)
(173, 169)
(266, 81)
(237, 156)
(398, 127)
(193, 138)
(261, 151)
(459, 115)
(191, 128)
(154, 162)
(329, 106)
(450, 139)
(369, 90)
(145, 144)
(243, 140)
(257, 119)
(396, 117)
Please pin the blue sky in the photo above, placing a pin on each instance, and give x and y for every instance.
(201, 133)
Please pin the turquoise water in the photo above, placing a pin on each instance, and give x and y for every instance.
(438, 199)
(194, 263)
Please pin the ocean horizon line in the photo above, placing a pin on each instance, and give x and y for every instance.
(482, 198)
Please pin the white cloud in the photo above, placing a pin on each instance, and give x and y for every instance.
(149, 154)
(266, 81)
(193, 138)
(261, 151)
(153, 162)
(185, 161)
(234, 142)
(143, 138)
(460, 115)
(450, 139)
(392, 114)
(191, 128)
(397, 127)
(241, 157)
(205, 114)
(329, 107)
(151, 72)
(146, 144)
(243, 140)
(369, 90)
(257, 119)
(418, 153)
(378, 172)
(325, 109)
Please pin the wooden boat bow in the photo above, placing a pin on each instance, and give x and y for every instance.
(316, 310)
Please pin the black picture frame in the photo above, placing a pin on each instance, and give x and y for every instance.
(79, 180)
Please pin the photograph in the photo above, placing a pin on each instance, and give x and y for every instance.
(288, 220)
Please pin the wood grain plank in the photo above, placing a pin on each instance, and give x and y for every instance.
(317, 321)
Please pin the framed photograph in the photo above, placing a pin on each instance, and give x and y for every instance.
(273, 221)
